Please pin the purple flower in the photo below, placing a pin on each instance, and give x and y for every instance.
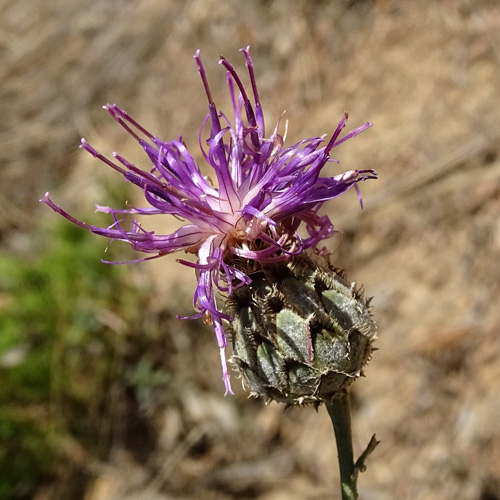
(264, 192)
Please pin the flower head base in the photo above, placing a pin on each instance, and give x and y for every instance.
(301, 333)
(264, 193)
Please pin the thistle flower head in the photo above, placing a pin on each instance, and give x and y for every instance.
(301, 333)
(260, 195)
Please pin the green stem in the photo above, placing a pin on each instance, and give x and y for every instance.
(340, 413)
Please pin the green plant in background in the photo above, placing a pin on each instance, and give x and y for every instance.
(59, 353)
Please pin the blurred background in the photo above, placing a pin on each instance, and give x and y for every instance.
(104, 394)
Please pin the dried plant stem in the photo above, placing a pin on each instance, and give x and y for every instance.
(340, 413)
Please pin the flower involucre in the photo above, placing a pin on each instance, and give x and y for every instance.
(264, 192)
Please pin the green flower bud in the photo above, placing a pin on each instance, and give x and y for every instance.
(301, 333)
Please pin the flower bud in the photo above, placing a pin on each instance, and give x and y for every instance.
(301, 333)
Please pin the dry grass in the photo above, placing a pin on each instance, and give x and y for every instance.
(427, 245)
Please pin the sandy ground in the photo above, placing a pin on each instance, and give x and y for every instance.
(426, 245)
